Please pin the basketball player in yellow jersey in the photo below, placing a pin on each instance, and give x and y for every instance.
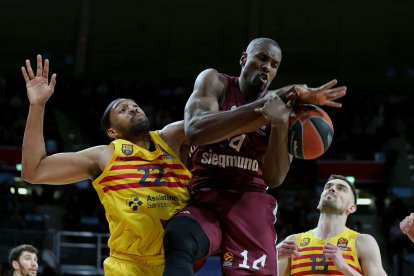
(139, 177)
(331, 248)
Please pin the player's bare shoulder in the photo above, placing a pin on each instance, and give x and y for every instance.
(211, 81)
(99, 156)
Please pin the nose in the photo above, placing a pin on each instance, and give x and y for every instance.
(266, 67)
(133, 110)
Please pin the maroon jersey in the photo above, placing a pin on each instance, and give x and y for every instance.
(235, 163)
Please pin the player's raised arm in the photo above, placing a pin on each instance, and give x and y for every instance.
(60, 168)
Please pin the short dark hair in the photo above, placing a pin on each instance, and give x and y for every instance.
(105, 123)
(261, 40)
(341, 177)
(15, 252)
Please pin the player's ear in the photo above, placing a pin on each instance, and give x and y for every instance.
(15, 265)
(112, 133)
(243, 59)
(352, 209)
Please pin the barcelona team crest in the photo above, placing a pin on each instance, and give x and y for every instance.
(127, 149)
(342, 242)
(305, 241)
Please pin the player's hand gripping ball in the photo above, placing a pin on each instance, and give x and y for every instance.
(310, 132)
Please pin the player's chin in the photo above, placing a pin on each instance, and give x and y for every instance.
(259, 86)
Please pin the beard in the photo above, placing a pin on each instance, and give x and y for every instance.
(140, 127)
(257, 86)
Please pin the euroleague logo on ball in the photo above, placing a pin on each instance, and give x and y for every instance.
(310, 132)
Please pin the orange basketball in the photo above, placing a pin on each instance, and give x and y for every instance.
(310, 132)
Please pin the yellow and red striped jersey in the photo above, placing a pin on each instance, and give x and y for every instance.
(312, 261)
(140, 191)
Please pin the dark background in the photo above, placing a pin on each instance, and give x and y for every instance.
(152, 51)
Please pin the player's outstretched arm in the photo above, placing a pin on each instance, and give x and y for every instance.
(369, 255)
(36, 166)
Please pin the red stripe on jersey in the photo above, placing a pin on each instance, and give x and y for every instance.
(329, 272)
(306, 256)
(134, 167)
(309, 264)
(137, 158)
(311, 248)
(137, 185)
(140, 175)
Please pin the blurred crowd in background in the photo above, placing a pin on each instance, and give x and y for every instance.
(376, 129)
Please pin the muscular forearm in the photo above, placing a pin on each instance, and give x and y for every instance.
(210, 127)
(33, 149)
(276, 160)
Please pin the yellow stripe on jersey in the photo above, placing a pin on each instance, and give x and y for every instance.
(312, 260)
(140, 191)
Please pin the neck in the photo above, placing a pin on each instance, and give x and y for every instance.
(143, 140)
(248, 94)
(330, 225)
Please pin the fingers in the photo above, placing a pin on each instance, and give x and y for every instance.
(287, 249)
(39, 68)
(333, 104)
(25, 76)
(328, 85)
(29, 69)
(46, 69)
(52, 82)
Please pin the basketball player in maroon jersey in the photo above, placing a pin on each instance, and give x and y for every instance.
(231, 212)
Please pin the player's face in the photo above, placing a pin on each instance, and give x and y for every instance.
(259, 66)
(128, 119)
(26, 265)
(336, 197)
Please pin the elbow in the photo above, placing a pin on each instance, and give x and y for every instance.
(194, 135)
(273, 182)
(29, 177)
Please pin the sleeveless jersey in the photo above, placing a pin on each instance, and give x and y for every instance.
(312, 260)
(141, 190)
(235, 163)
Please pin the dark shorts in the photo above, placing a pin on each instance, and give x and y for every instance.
(239, 225)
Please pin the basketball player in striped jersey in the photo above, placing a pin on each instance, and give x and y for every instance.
(331, 248)
(231, 212)
(139, 177)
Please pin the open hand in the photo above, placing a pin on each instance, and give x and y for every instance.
(38, 87)
(323, 95)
